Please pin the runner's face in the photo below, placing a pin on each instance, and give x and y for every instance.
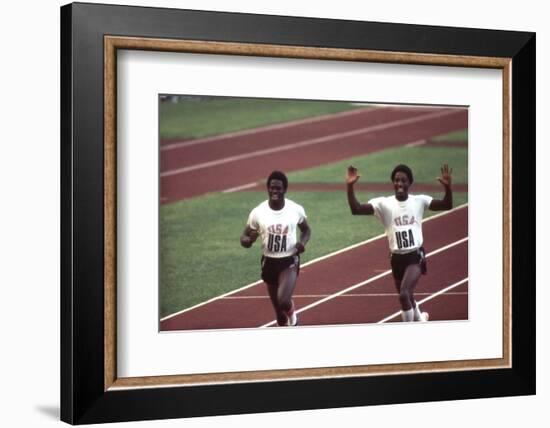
(401, 185)
(276, 190)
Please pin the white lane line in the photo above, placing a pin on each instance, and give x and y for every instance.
(453, 293)
(257, 183)
(446, 247)
(360, 284)
(243, 187)
(252, 131)
(304, 143)
(432, 296)
(315, 296)
(334, 253)
(416, 143)
(213, 299)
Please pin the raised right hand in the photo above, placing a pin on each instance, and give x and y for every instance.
(352, 176)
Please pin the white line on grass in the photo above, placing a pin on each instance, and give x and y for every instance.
(291, 146)
(432, 296)
(343, 250)
(367, 281)
(252, 131)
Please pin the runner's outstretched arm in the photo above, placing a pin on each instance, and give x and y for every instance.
(354, 205)
(447, 202)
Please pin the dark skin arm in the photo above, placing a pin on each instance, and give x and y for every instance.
(447, 202)
(248, 237)
(355, 206)
(305, 234)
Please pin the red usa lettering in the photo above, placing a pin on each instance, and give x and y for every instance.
(278, 229)
(404, 220)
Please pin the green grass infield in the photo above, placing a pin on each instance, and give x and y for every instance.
(452, 137)
(197, 117)
(424, 161)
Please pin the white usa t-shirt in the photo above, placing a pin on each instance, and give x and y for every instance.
(277, 228)
(402, 220)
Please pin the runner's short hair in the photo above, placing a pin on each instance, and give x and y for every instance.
(278, 175)
(404, 169)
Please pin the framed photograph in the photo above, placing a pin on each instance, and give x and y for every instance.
(231, 158)
(265, 213)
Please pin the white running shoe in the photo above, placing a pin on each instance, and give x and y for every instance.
(293, 320)
(425, 316)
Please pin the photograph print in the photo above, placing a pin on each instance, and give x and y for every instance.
(299, 213)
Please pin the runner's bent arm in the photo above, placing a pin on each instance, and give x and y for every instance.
(355, 206)
(305, 234)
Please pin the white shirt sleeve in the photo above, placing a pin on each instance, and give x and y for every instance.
(377, 205)
(426, 200)
(253, 220)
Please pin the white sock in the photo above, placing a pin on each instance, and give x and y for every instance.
(417, 313)
(407, 315)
